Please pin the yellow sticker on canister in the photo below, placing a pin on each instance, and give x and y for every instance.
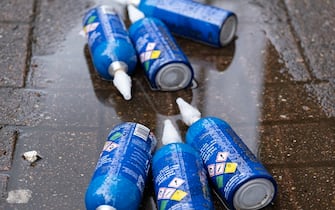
(155, 54)
(178, 195)
(230, 168)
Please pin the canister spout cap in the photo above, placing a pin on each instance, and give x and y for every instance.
(189, 113)
(134, 13)
(133, 2)
(170, 134)
(105, 207)
(122, 82)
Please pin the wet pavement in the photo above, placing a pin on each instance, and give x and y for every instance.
(275, 85)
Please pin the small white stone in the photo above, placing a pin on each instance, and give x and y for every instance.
(31, 156)
(283, 116)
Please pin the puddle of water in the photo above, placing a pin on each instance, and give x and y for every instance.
(81, 108)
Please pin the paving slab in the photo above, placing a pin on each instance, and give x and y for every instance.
(304, 143)
(325, 94)
(13, 54)
(20, 107)
(16, 10)
(290, 102)
(52, 184)
(263, 84)
(214, 58)
(48, 72)
(305, 188)
(276, 25)
(277, 71)
(314, 26)
(70, 108)
(55, 20)
(8, 139)
(3, 187)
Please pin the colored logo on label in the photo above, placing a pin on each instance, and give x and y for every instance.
(219, 169)
(91, 19)
(219, 181)
(109, 146)
(115, 136)
(178, 195)
(163, 205)
(165, 193)
(90, 27)
(230, 168)
(171, 192)
(211, 170)
(149, 55)
(222, 156)
(221, 166)
(176, 182)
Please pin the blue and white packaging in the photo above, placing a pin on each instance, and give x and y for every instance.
(239, 178)
(179, 175)
(191, 19)
(166, 66)
(122, 169)
(111, 49)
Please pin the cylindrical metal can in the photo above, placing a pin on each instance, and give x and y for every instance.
(166, 66)
(108, 40)
(121, 172)
(200, 22)
(240, 179)
(180, 178)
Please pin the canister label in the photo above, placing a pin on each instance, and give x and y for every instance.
(156, 47)
(180, 179)
(108, 41)
(189, 19)
(102, 24)
(228, 160)
(121, 171)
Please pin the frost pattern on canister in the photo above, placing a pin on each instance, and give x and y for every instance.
(108, 40)
(203, 23)
(180, 179)
(231, 166)
(122, 169)
(166, 66)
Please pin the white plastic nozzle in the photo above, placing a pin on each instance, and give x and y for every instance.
(170, 134)
(105, 207)
(134, 2)
(189, 113)
(122, 82)
(124, 2)
(31, 156)
(134, 13)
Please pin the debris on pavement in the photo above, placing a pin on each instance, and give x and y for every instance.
(32, 157)
(19, 196)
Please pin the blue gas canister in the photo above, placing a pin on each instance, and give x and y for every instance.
(180, 180)
(121, 172)
(111, 49)
(200, 22)
(240, 179)
(166, 66)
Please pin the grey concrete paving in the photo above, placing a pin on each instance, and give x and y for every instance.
(275, 84)
(14, 52)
